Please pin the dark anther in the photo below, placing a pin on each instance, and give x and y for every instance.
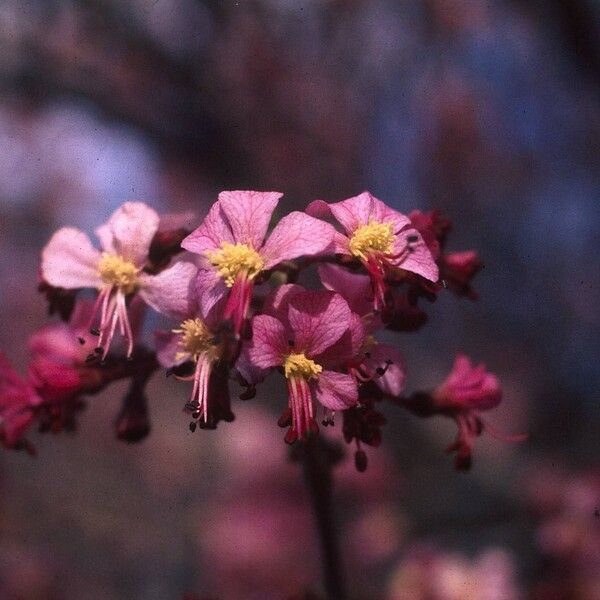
(191, 406)
(380, 371)
(193, 426)
(95, 331)
(361, 461)
(412, 239)
(90, 358)
(196, 414)
(81, 340)
(98, 350)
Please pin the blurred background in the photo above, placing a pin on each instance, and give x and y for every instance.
(488, 110)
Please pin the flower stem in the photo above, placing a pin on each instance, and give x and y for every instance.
(318, 458)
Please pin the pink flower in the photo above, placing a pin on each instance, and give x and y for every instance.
(234, 251)
(196, 341)
(466, 392)
(375, 360)
(382, 239)
(307, 334)
(457, 270)
(70, 261)
(18, 401)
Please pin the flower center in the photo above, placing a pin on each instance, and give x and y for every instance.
(196, 338)
(373, 237)
(117, 271)
(233, 259)
(297, 365)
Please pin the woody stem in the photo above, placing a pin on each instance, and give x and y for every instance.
(317, 461)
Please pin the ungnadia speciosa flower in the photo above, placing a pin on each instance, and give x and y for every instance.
(236, 313)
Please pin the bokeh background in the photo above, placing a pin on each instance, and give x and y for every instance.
(488, 110)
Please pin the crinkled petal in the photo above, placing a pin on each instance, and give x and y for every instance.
(132, 227)
(336, 391)
(171, 291)
(382, 213)
(419, 259)
(296, 235)
(318, 320)
(70, 261)
(210, 288)
(167, 346)
(269, 342)
(213, 230)
(353, 212)
(277, 302)
(249, 214)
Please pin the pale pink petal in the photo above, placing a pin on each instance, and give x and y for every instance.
(132, 226)
(57, 341)
(353, 212)
(392, 381)
(318, 320)
(296, 235)
(213, 230)
(171, 291)
(249, 214)
(382, 213)
(70, 261)
(354, 287)
(269, 342)
(210, 288)
(418, 259)
(167, 346)
(105, 235)
(336, 391)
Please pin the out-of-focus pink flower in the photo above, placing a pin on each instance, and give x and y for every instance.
(70, 261)
(457, 269)
(382, 239)
(468, 387)
(196, 341)
(18, 400)
(308, 334)
(466, 392)
(235, 250)
(376, 360)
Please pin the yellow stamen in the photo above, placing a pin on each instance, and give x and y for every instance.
(373, 237)
(232, 259)
(196, 338)
(368, 343)
(119, 272)
(297, 365)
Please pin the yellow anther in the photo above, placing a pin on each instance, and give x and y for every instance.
(373, 237)
(233, 259)
(297, 365)
(196, 338)
(119, 272)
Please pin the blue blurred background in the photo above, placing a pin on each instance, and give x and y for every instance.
(488, 110)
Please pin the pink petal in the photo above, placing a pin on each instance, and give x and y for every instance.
(249, 214)
(277, 302)
(213, 230)
(129, 231)
(171, 292)
(70, 261)
(392, 382)
(247, 369)
(167, 346)
(269, 343)
(419, 260)
(296, 235)
(354, 287)
(318, 320)
(210, 288)
(346, 348)
(382, 213)
(336, 391)
(353, 212)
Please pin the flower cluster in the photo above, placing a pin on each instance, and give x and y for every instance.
(231, 290)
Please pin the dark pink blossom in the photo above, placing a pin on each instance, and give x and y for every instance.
(310, 335)
(18, 402)
(381, 238)
(235, 248)
(70, 261)
(466, 392)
